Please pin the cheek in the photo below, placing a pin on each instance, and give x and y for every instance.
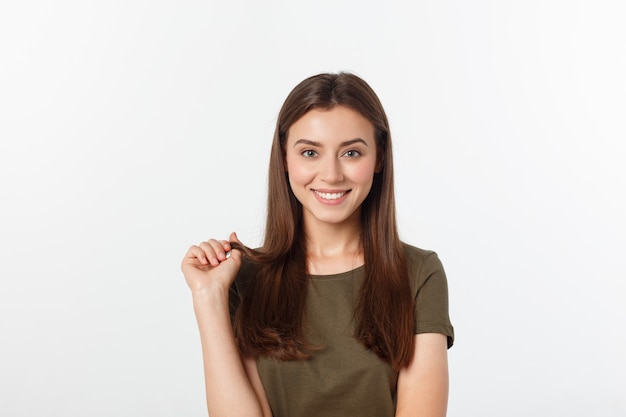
(297, 173)
(363, 173)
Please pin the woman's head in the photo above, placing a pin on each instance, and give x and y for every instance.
(324, 92)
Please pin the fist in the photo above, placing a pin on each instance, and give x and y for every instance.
(212, 264)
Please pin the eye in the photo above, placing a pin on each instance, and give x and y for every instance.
(309, 153)
(352, 153)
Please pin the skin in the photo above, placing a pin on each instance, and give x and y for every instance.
(423, 385)
(332, 152)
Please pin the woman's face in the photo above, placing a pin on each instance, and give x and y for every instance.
(331, 159)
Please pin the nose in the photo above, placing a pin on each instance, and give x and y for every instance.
(331, 171)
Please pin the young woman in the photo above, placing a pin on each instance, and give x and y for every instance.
(333, 315)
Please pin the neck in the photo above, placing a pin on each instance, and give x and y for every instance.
(333, 248)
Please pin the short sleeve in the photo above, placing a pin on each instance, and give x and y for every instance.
(430, 293)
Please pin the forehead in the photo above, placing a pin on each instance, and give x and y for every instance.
(338, 124)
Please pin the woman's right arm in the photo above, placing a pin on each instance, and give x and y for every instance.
(231, 388)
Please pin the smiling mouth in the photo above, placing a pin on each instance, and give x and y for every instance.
(331, 196)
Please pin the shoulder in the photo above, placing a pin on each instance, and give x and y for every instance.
(415, 254)
(417, 258)
(422, 264)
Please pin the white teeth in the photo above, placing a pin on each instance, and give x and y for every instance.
(330, 196)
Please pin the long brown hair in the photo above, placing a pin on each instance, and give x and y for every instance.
(269, 319)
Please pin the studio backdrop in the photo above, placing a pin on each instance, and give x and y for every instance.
(132, 130)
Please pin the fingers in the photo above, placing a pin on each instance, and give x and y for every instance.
(212, 252)
(195, 253)
(215, 251)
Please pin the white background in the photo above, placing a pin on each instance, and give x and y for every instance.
(133, 129)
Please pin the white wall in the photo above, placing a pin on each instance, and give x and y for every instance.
(130, 130)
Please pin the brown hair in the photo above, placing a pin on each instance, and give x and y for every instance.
(269, 321)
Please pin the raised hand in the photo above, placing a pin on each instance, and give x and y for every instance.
(211, 265)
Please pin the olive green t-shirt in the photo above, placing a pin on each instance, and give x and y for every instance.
(344, 378)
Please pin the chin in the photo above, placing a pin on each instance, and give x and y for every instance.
(334, 219)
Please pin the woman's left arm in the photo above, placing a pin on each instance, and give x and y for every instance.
(423, 384)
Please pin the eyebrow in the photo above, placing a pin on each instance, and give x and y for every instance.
(319, 145)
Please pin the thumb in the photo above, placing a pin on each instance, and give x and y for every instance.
(233, 238)
(234, 252)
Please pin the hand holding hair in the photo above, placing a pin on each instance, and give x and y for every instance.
(213, 264)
